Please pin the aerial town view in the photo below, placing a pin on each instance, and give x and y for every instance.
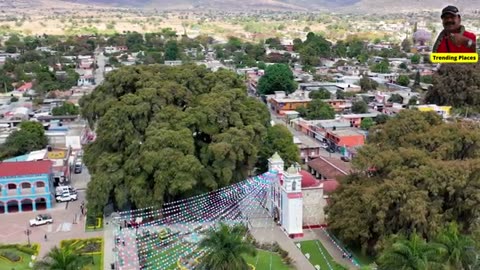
(230, 135)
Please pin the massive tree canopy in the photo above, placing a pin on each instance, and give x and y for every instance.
(278, 77)
(166, 132)
(456, 85)
(416, 173)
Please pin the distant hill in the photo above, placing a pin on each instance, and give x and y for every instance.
(351, 6)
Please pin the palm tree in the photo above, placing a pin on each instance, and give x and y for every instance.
(225, 246)
(413, 253)
(458, 250)
(61, 259)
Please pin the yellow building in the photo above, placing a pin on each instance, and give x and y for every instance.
(443, 111)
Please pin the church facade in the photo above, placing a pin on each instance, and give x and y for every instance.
(296, 200)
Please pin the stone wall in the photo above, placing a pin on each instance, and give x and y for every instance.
(313, 206)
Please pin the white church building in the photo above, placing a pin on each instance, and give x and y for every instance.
(296, 198)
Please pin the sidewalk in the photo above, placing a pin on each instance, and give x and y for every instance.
(108, 244)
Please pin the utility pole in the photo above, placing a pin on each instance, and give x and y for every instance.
(28, 232)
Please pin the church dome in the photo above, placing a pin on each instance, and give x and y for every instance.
(330, 186)
(308, 180)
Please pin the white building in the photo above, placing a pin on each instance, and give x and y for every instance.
(296, 198)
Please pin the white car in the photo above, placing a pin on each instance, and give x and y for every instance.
(41, 220)
(66, 197)
(64, 189)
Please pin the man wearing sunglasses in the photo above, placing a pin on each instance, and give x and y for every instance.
(454, 38)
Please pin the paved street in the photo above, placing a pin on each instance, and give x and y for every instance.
(101, 60)
(67, 223)
(279, 121)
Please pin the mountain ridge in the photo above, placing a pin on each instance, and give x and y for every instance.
(349, 6)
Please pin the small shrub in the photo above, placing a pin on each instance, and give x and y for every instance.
(13, 99)
(28, 250)
(275, 247)
(10, 255)
(283, 253)
(288, 260)
(91, 247)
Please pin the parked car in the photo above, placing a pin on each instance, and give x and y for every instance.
(324, 145)
(66, 197)
(64, 189)
(41, 220)
(346, 159)
(330, 150)
(78, 167)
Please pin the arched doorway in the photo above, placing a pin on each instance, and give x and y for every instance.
(40, 204)
(12, 206)
(2, 207)
(27, 205)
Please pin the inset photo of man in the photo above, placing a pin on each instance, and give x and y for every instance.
(454, 38)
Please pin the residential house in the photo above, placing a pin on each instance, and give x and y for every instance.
(347, 87)
(339, 105)
(345, 137)
(280, 102)
(355, 120)
(25, 87)
(115, 49)
(86, 80)
(173, 62)
(444, 111)
(26, 186)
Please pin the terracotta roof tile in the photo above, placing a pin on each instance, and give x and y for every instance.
(330, 168)
(8, 169)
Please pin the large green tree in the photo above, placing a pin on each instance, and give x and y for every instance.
(317, 110)
(416, 172)
(31, 136)
(226, 246)
(455, 85)
(367, 84)
(279, 139)
(360, 107)
(66, 108)
(320, 94)
(166, 132)
(278, 77)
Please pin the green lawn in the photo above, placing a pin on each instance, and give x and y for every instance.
(263, 262)
(9, 265)
(312, 247)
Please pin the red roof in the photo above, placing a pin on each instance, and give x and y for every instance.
(308, 180)
(25, 168)
(25, 87)
(330, 168)
(330, 186)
